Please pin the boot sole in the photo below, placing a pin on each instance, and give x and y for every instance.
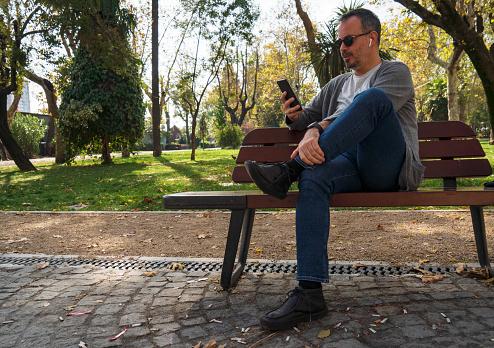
(259, 180)
(282, 325)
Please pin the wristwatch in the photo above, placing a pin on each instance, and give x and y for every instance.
(316, 125)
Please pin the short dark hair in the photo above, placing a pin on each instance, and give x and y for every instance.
(369, 20)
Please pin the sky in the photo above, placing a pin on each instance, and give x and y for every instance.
(318, 10)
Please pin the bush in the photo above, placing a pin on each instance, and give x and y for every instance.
(28, 131)
(229, 137)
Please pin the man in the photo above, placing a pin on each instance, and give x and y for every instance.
(362, 136)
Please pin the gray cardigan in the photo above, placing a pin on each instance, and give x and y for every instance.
(395, 80)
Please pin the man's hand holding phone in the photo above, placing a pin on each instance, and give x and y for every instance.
(291, 112)
(291, 105)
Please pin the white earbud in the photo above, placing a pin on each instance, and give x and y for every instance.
(370, 42)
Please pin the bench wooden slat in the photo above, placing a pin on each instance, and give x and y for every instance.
(267, 136)
(426, 130)
(428, 150)
(444, 129)
(422, 197)
(457, 168)
(268, 154)
(434, 169)
(451, 149)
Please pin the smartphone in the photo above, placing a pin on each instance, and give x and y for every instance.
(285, 87)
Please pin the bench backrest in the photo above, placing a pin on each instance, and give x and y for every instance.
(448, 150)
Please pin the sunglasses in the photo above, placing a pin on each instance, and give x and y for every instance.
(348, 40)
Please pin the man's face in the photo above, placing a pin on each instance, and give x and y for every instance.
(356, 54)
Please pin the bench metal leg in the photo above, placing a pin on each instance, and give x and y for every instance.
(477, 213)
(241, 222)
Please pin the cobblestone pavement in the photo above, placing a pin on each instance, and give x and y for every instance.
(181, 309)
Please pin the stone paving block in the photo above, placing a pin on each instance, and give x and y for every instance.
(139, 344)
(405, 320)
(386, 311)
(193, 332)
(171, 339)
(193, 321)
(368, 301)
(133, 319)
(438, 296)
(345, 343)
(418, 331)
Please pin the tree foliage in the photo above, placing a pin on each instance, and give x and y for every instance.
(28, 131)
(103, 103)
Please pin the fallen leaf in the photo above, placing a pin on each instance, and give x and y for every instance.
(476, 272)
(174, 266)
(379, 227)
(210, 344)
(423, 261)
(198, 345)
(433, 279)
(324, 334)
(357, 265)
(41, 265)
(431, 251)
(150, 274)
(70, 308)
(490, 280)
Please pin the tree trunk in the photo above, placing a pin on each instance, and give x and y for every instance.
(105, 151)
(13, 108)
(156, 116)
(311, 34)
(168, 129)
(51, 100)
(193, 140)
(20, 159)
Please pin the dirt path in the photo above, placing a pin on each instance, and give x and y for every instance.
(394, 237)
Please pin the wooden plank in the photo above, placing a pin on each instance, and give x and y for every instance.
(465, 148)
(444, 129)
(451, 149)
(457, 168)
(263, 136)
(205, 200)
(426, 130)
(265, 154)
(434, 169)
(422, 197)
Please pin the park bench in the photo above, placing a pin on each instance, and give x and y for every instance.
(449, 150)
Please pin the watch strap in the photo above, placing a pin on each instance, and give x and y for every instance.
(316, 125)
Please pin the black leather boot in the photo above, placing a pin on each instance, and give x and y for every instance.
(272, 178)
(301, 305)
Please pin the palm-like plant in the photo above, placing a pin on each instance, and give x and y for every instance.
(325, 54)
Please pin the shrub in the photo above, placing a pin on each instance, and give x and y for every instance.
(28, 130)
(229, 137)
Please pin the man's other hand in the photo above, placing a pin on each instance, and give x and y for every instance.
(308, 149)
(291, 113)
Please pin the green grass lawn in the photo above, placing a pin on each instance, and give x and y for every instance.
(135, 183)
(132, 183)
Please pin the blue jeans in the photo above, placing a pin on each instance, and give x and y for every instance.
(364, 150)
